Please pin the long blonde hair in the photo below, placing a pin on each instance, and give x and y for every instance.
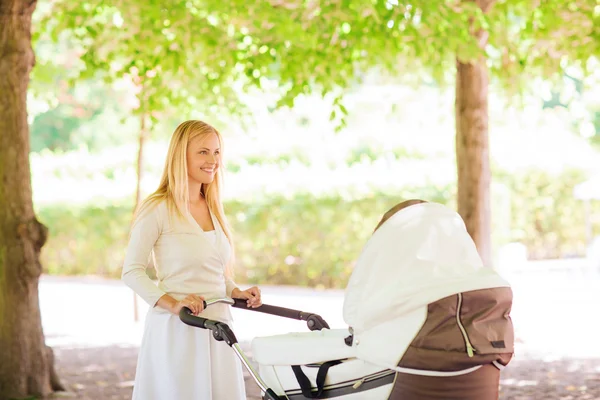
(173, 187)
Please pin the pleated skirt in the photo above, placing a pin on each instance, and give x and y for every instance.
(177, 361)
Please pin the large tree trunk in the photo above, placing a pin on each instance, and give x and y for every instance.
(472, 147)
(26, 363)
(472, 154)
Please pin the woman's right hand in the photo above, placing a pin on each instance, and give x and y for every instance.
(191, 301)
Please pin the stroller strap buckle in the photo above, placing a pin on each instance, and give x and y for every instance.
(305, 384)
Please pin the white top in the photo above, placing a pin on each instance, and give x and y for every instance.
(187, 259)
(211, 236)
(423, 253)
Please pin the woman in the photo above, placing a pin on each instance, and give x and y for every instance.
(183, 226)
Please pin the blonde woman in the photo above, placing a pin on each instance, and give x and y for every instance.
(183, 226)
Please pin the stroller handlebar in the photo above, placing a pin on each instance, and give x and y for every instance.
(314, 321)
(220, 330)
(225, 300)
(186, 316)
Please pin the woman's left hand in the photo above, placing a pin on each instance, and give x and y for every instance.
(252, 296)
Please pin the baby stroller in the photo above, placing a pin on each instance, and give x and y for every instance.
(426, 321)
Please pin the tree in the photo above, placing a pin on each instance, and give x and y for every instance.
(176, 64)
(326, 47)
(208, 50)
(26, 363)
(173, 64)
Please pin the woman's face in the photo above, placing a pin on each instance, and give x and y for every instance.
(203, 158)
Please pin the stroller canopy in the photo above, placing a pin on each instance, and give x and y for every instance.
(421, 254)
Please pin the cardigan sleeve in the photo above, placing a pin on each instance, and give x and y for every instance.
(144, 234)
(229, 286)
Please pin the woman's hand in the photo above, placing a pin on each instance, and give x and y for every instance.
(191, 301)
(252, 296)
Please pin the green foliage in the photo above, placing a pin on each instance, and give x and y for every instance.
(54, 129)
(303, 241)
(371, 153)
(328, 46)
(179, 58)
(201, 58)
(580, 97)
(311, 241)
(596, 121)
(282, 160)
(210, 52)
(85, 240)
(545, 215)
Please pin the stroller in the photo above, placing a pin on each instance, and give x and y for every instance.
(426, 321)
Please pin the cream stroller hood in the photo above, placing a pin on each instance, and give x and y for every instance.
(423, 253)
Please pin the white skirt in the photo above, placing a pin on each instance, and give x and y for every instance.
(177, 361)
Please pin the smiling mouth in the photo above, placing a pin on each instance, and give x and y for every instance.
(208, 171)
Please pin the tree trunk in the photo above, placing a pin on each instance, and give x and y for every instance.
(472, 153)
(26, 363)
(140, 159)
(138, 189)
(472, 146)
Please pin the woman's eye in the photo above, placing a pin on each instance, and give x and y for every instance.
(203, 152)
(217, 153)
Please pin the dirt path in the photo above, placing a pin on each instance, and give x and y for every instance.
(107, 374)
(101, 370)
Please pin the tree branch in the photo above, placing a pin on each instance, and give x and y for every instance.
(485, 5)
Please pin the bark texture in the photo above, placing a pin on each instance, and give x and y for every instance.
(26, 363)
(472, 147)
(472, 153)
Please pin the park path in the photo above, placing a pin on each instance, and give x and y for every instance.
(90, 324)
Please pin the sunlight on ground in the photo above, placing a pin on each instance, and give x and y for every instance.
(518, 383)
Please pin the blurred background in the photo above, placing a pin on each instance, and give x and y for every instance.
(321, 138)
(302, 194)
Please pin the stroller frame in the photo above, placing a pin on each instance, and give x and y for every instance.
(222, 332)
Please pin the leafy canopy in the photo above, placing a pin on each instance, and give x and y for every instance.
(185, 53)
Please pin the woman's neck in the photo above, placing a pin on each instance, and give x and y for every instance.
(195, 192)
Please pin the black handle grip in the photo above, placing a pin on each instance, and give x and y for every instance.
(220, 330)
(187, 317)
(314, 321)
(268, 309)
(204, 305)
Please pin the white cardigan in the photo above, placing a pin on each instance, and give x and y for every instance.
(187, 261)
